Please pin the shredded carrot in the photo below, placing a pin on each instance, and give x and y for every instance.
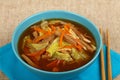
(78, 47)
(42, 37)
(68, 46)
(78, 42)
(67, 27)
(52, 64)
(63, 32)
(39, 29)
(37, 53)
(53, 29)
(61, 38)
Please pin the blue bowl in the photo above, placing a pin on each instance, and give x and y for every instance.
(48, 15)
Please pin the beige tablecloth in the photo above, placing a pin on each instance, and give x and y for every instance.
(104, 13)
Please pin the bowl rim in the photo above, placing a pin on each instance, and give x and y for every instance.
(48, 72)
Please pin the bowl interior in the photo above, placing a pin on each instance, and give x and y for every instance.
(55, 14)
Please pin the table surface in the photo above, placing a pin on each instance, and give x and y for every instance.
(104, 13)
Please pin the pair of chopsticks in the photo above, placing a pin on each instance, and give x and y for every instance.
(109, 71)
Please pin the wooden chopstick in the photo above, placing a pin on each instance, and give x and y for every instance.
(108, 56)
(102, 60)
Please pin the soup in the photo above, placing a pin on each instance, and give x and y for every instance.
(56, 45)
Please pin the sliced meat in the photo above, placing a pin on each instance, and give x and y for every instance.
(57, 32)
(35, 34)
(29, 61)
(80, 35)
(83, 40)
(69, 39)
(76, 31)
(50, 38)
(87, 46)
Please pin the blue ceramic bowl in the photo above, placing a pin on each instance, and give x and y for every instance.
(48, 15)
